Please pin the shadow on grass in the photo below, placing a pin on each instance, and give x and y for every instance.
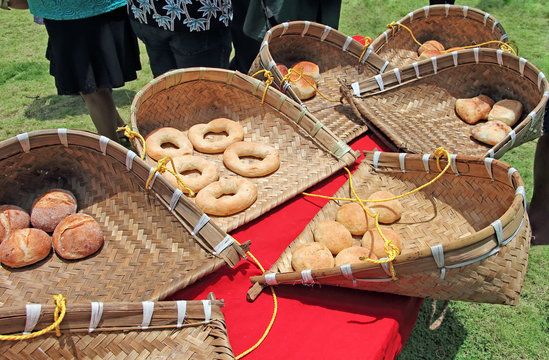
(58, 107)
(442, 343)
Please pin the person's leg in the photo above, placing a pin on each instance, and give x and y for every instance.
(539, 206)
(210, 48)
(157, 43)
(103, 112)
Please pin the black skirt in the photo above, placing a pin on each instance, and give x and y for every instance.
(92, 53)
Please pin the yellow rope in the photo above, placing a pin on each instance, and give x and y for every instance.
(503, 46)
(58, 317)
(275, 310)
(161, 167)
(367, 42)
(268, 82)
(131, 135)
(288, 78)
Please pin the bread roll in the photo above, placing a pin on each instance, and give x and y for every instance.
(312, 256)
(308, 68)
(490, 132)
(283, 69)
(12, 218)
(24, 247)
(334, 235)
(430, 45)
(389, 211)
(353, 254)
(506, 111)
(373, 241)
(52, 207)
(354, 218)
(427, 54)
(304, 88)
(474, 109)
(77, 236)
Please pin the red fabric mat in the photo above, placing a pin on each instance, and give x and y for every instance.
(312, 322)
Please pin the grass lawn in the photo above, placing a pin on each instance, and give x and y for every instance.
(28, 102)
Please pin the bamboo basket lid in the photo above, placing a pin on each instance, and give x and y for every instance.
(464, 237)
(155, 330)
(413, 107)
(451, 25)
(148, 252)
(309, 151)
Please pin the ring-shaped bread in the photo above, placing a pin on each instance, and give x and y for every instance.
(180, 144)
(208, 172)
(267, 156)
(197, 135)
(227, 196)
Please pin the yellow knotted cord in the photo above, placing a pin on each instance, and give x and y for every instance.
(131, 135)
(367, 42)
(275, 310)
(161, 167)
(58, 317)
(268, 82)
(390, 248)
(288, 78)
(503, 45)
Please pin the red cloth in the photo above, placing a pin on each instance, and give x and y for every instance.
(313, 322)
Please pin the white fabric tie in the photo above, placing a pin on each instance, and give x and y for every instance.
(96, 314)
(377, 154)
(425, 159)
(24, 141)
(175, 199)
(130, 155)
(270, 279)
(488, 164)
(207, 310)
(204, 219)
(402, 161)
(148, 310)
(225, 243)
(307, 277)
(62, 133)
(33, 314)
(181, 312)
(103, 141)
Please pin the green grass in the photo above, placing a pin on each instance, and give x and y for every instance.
(28, 101)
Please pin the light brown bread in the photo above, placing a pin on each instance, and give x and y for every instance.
(12, 218)
(354, 218)
(334, 235)
(353, 254)
(77, 236)
(506, 111)
(490, 132)
(24, 247)
(389, 211)
(373, 241)
(51, 207)
(311, 256)
(474, 109)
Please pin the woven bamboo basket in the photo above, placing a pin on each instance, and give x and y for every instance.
(309, 152)
(335, 53)
(119, 330)
(414, 107)
(148, 252)
(464, 237)
(451, 25)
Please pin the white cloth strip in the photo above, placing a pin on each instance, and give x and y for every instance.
(377, 154)
(386, 33)
(264, 44)
(325, 33)
(148, 310)
(447, 8)
(62, 133)
(455, 58)
(154, 176)
(204, 219)
(397, 74)
(368, 52)
(356, 89)
(270, 279)
(534, 120)
(24, 141)
(285, 86)
(225, 243)
(306, 28)
(301, 115)
(284, 28)
(384, 67)
(498, 229)
(318, 125)
(379, 80)
(504, 37)
(346, 271)
(488, 164)
(103, 141)
(426, 10)
(347, 43)
(130, 155)
(499, 54)
(453, 164)
(175, 199)
(271, 65)
(307, 277)
(510, 174)
(475, 52)
(401, 160)
(491, 153)
(269, 33)
(33, 314)
(416, 68)
(522, 64)
(96, 314)
(513, 136)
(541, 76)
(385, 267)
(207, 310)
(438, 255)
(520, 190)
(546, 94)
(411, 15)
(425, 159)
(494, 27)
(434, 62)
(465, 9)
(181, 312)
(486, 16)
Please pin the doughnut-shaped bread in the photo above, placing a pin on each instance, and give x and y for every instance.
(77, 236)
(352, 255)
(308, 68)
(189, 163)
(490, 132)
(373, 241)
(167, 141)
(24, 247)
(227, 196)
(51, 207)
(430, 45)
(334, 235)
(12, 218)
(506, 111)
(389, 211)
(311, 256)
(269, 159)
(474, 109)
(197, 135)
(354, 218)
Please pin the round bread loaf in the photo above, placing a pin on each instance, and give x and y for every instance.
(353, 254)
(430, 45)
(24, 247)
(389, 211)
(312, 256)
(354, 218)
(77, 236)
(51, 207)
(12, 218)
(334, 235)
(373, 241)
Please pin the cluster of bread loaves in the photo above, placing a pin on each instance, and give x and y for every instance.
(304, 78)
(245, 158)
(352, 236)
(25, 239)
